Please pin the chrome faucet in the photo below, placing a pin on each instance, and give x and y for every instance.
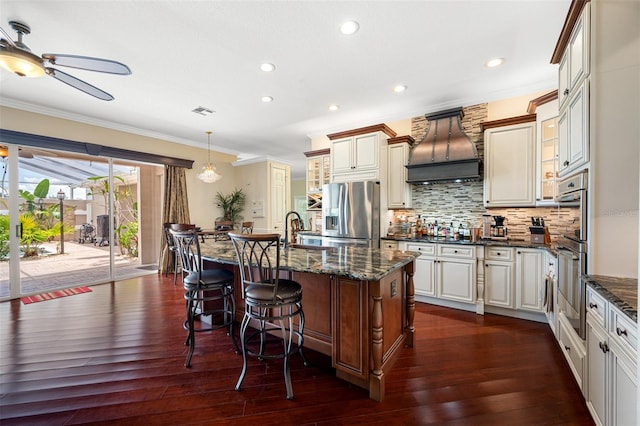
(286, 226)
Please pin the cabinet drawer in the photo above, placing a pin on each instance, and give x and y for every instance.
(425, 249)
(624, 331)
(456, 251)
(504, 254)
(393, 245)
(597, 306)
(572, 351)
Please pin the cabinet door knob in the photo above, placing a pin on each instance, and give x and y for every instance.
(593, 306)
(567, 348)
(566, 91)
(566, 163)
(455, 251)
(621, 331)
(604, 347)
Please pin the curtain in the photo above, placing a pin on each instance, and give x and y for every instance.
(174, 210)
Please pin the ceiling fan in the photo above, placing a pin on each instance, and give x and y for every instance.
(16, 57)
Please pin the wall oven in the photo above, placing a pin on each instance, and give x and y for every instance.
(572, 253)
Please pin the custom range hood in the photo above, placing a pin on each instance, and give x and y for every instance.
(445, 154)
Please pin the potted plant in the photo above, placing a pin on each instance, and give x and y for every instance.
(232, 205)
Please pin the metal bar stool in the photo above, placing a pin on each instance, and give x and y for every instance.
(207, 291)
(271, 302)
(171, 248)
(247, 228)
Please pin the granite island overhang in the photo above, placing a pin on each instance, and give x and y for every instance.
(358, 302)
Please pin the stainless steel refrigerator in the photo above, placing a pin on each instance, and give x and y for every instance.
(351, 214)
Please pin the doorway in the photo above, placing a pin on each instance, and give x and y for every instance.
(70, 219)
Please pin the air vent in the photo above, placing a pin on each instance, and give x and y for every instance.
(202, 111)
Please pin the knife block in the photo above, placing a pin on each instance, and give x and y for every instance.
(540, 235)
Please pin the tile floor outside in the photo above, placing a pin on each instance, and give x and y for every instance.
(81, 264)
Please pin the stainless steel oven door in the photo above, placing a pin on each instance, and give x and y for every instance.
(572, 191)
(571, 290)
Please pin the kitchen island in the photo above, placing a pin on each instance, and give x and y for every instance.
(358, 302)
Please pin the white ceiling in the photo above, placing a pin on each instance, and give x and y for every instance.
(185, 54)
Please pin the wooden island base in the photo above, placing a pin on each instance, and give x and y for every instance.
(361, 325)
(358, 305)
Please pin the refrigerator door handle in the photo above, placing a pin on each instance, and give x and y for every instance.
(341, 209)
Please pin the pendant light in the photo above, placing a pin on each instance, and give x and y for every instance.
(209, 174)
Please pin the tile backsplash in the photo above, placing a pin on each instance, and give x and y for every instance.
(454, 208)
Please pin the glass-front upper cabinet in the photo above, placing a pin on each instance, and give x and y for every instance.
(548, 160)
(318, 174)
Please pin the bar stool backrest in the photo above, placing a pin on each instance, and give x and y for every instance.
(247, 228)
(188, 247)
(168, 238)
(259, 262)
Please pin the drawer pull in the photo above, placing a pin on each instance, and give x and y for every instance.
(604, 347)
(621, 331)
(499, 253)
(593, 305)
(455, 251)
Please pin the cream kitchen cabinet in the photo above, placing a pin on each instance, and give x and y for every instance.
(456, 273)
(318, 174)
(445, 271)
(424, 275)
(575, 63)
(572, 348)
(529, 279)
(596, 393)
(398, 190)
(611, 380)
(573, 132)
(510, 162)
(499, 276)
(573, 96)
(360, 154)
(546, 110)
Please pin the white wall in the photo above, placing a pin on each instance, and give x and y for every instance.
(615, 138)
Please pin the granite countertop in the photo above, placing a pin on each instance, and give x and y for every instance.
(483, 242)
(354, 262)
(621, 292)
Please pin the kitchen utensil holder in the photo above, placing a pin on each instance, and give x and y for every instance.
(540, 235)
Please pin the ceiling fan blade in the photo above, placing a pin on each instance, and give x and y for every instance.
(7, 37)
(79, 84)
(87, 63)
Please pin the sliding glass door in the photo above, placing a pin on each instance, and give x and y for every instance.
(76, 221)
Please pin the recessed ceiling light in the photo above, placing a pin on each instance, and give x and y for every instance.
(334, 107)
(400, 88)
(267, 99)
(349, 27)
(494, 62)
(267, 67)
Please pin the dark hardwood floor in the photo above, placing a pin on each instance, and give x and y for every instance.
(115, 356)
